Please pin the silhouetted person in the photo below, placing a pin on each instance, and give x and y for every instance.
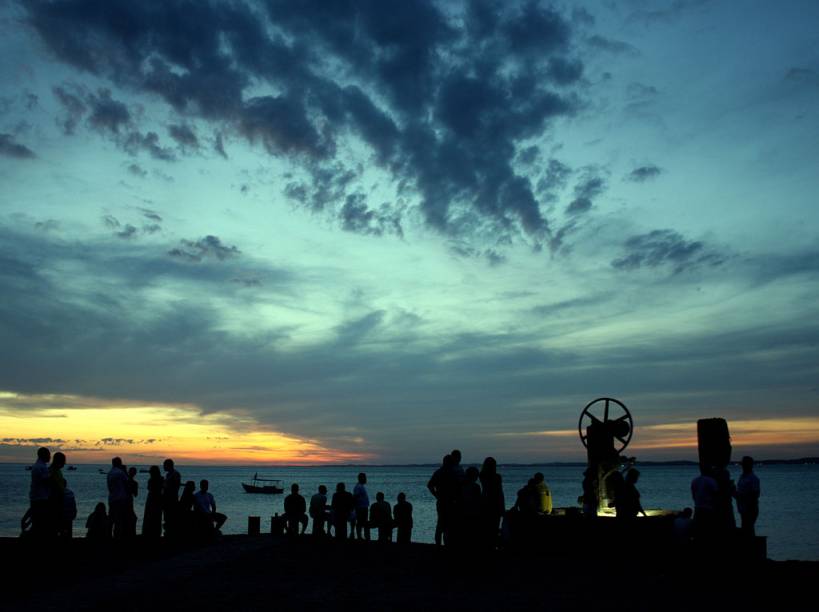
(295, 511)
(543, 496)
(627, 499)
(381, 518)
(98, 524)
(467, 528)
(185, 518)
(133, 491)
(119, 498)
(493, 504)
(205, 507)
(152, 519)
(402, 512)
(56, 499)
(65, 528)
(170, 495)
(615, 483)
(704, 491)
(362, 507)
(590, 500)
(725, 500)
(444, 486)
(39, 494)
(683, 526)
(342, 505)
(747, 496)
(318, 510)
(457, 469)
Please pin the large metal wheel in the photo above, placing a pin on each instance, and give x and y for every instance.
(609, 412)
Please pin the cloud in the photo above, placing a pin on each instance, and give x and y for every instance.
(10, 148)
(137, 170)
(609, 45)
(644, 173)
(73, 106)
(440, 103)
(660, 248)
(589, 187)
(184, 136)
(209, 246)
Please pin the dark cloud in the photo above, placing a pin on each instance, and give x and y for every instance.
(668, 13)
(107, 114)
(135, 142)
(644, 173)
(442, 104)
(184, 136)
(73, 106)
(590, 186)
(151, 214)
(357, 217)
(209, 246)
(611, 46)
(10, 148)
(128, 231)
(660, 248)
(219, 146)
(48, 225)
(137, 170)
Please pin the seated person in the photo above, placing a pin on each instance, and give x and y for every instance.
(205, 507)
(98, 524)
(295, 511)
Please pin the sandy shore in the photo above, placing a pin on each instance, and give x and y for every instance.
(267, 572)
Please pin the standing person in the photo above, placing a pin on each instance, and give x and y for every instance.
(170, 495)
(457, 469)
(342, 506)
(493, 504)
(118, 498)
(403, 519)
(133, 491)
(747, 496)
(469, 515)
(39, 493)
(704, 491)
(590, 499)
(627, 501)
(205, 507)
(381, 518)
(318, 510)
(69, 513)
(444, 487)
(543, 496)
(725, 500)
(185, 520)
(295, 511)
(152, 518)
(362, 506)
(56, 497)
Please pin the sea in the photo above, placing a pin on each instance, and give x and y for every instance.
(790, 494)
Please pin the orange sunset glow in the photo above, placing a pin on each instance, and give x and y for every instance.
(138, 433)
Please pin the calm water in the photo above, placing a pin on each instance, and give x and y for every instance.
(790, 495)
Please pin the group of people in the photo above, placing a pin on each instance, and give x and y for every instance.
(714, 492)
(53, 507)
(349, 514)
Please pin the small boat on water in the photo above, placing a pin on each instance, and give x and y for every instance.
(269, 486)
(71, 468)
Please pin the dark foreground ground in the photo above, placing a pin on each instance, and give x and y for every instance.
(274, 573)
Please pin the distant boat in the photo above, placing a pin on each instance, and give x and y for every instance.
(71, 468)
(268, 486)
(102, 471)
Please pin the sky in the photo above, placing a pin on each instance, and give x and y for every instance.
(366, 231)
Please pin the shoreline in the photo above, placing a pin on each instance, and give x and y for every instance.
(304, 573)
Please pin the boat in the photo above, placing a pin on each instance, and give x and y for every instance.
(268, 486)
(71, 468)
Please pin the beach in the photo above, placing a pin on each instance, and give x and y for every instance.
(275, 572)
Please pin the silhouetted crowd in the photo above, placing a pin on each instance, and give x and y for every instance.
(349, 515)
(53, 509)
(470, 505)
